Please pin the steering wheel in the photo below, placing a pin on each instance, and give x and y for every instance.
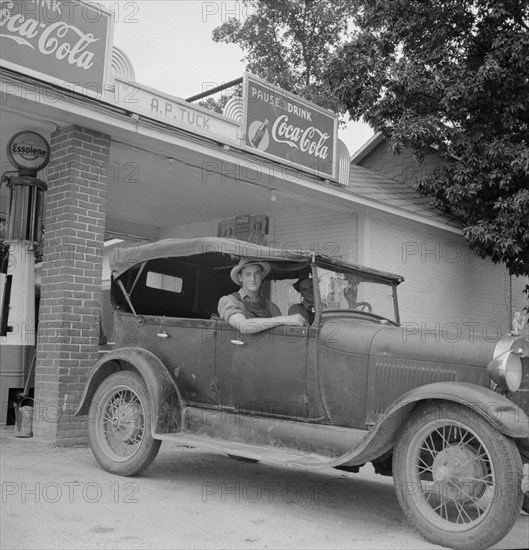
(363, 306)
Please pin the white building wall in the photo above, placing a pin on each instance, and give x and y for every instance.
(309, 227)
(519, 299)
(202, 229)
(447, 286)
(329, 232)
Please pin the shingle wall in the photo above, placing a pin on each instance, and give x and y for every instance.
(402, 167)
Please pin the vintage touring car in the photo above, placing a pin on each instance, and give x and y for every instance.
(447, 418)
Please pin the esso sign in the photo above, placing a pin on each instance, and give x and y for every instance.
(28, 151)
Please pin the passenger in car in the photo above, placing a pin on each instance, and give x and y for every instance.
(248, 310)
(306, 308)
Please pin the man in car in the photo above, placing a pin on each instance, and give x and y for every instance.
(248, 310)
(306, 307)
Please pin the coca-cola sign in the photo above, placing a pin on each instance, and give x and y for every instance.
(66, 42)
(285, 126)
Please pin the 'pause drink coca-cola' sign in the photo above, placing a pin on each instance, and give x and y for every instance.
(285, 126)
(66, 42)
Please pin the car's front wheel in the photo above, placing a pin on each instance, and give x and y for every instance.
(119, 425)
(457, 479)
(525, 505)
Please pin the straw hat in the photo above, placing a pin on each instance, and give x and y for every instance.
(243, 262)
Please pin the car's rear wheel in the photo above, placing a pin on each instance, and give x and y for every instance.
(457, 479)
(119, 426)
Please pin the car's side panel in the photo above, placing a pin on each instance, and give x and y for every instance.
(187, 348)
(342, 369)
(317, 412)
(263, 373)
(402, 359)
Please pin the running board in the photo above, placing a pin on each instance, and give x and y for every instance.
(267, 439)
(267, 455)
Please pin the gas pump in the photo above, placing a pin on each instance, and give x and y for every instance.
(29, 152)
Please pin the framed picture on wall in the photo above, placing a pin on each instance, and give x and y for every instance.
(253, 228)
(259, 229)
(226, 228)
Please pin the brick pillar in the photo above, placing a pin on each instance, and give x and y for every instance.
(74, 221)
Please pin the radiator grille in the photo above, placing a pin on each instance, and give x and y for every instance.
(398, 378)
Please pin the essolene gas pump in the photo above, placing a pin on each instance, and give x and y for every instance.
(29, 152)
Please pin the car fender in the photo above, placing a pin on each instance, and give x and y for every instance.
(504, 415)
(163, 391)
(498, 410)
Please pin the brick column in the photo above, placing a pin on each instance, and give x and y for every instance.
(74, 221)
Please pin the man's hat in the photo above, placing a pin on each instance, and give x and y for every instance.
(243, 262)
(298, 282)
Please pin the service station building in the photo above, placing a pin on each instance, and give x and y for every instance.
(130, 164)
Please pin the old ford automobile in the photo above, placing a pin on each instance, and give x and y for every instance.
(447, 419)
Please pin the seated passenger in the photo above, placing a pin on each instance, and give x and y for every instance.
(247, 309)
(306, 307)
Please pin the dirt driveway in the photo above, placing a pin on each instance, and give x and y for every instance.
(60, 498)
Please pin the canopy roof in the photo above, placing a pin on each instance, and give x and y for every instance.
(219, 252)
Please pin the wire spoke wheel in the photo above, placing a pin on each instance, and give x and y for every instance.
(119, 425)
(123, 422)
(455, 475)
(457, 478)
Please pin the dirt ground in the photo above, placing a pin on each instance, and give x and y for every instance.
(60, 498)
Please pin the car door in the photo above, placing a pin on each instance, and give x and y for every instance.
(186, 347)
(174, 324)
(263, 373)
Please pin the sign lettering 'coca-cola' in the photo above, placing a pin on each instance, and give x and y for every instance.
(284, 126)
(310, 140)
(66, 42)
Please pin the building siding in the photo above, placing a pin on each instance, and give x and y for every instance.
(447, 286)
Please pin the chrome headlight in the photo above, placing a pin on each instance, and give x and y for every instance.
(506, 370)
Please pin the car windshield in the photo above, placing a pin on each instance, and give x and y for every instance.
(356, 292)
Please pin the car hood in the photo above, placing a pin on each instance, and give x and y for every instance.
(353, 335)
(432, 346)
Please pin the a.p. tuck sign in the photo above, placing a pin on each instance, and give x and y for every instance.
(66, 42)
(284, 126)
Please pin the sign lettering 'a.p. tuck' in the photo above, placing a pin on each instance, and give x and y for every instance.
(66, 42)
(281, 125)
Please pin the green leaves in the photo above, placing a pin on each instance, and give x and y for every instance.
(291, 42)
(451, 78)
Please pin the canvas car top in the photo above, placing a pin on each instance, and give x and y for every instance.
(227, 252)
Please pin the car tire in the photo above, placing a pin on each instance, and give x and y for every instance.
(525, 504)
(457, 479)
(119, 425)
